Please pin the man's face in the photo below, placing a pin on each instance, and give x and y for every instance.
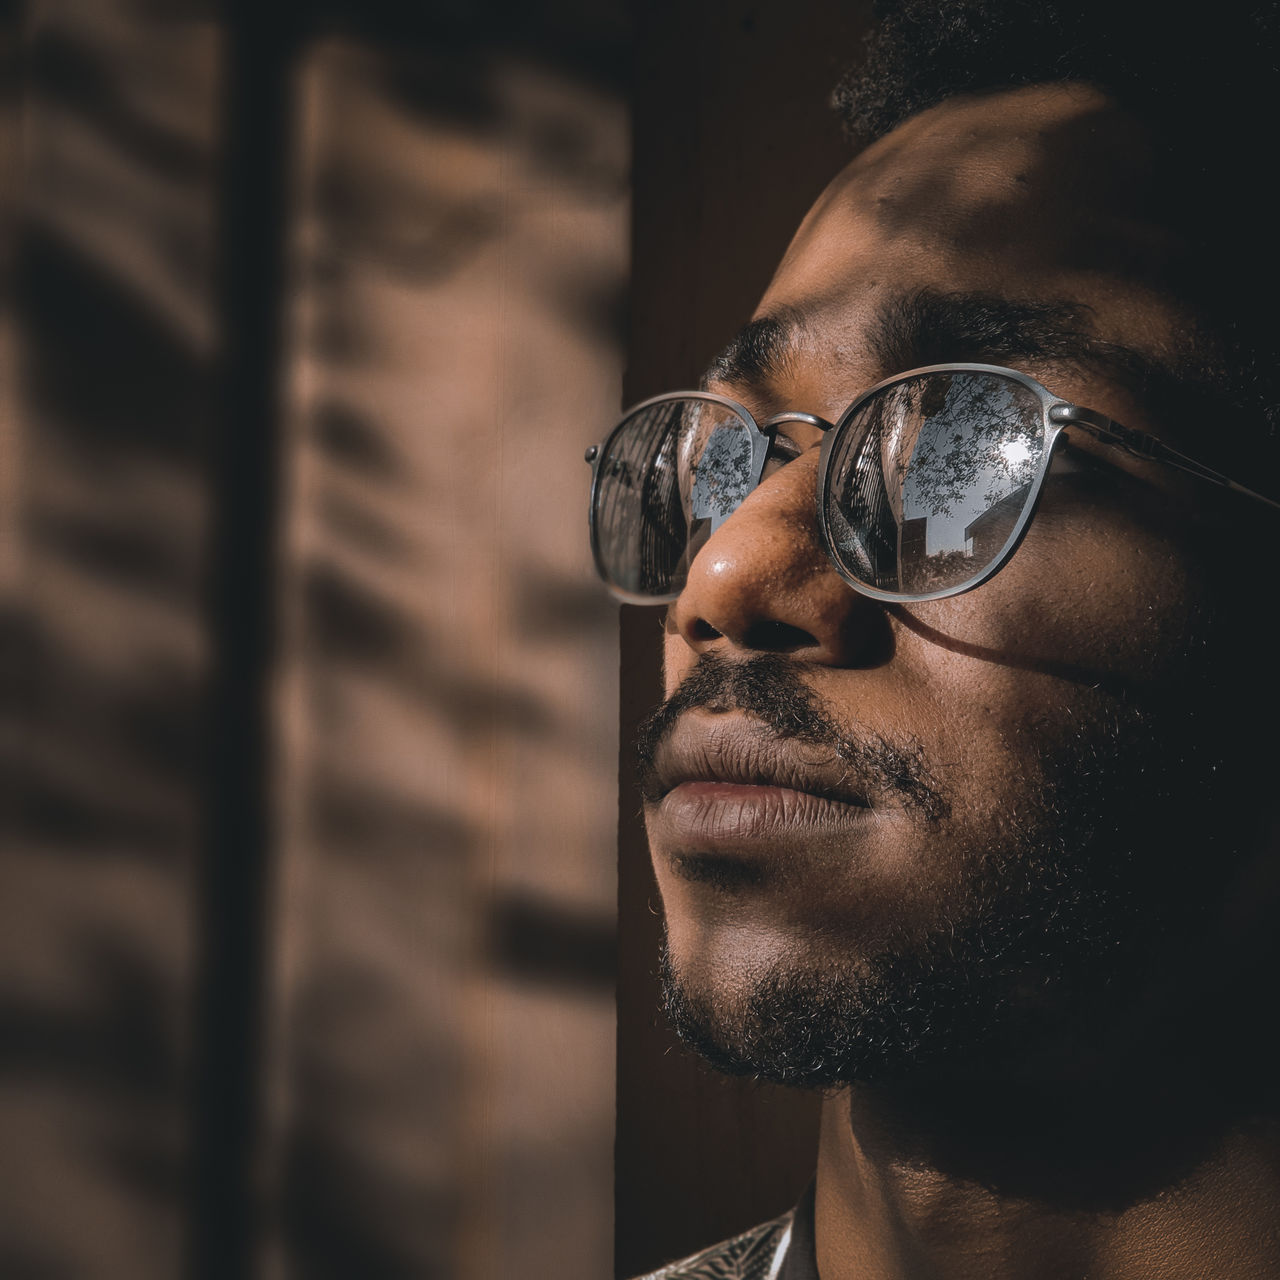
(892, 836)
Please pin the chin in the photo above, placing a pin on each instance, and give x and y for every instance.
(819, 1025)
(989, 983)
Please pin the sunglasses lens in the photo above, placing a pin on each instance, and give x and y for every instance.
(929, 477)
(667, 476)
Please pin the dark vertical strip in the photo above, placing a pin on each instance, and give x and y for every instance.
(639, 934)
(225, 1224)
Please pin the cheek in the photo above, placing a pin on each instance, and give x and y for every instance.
(1081, 637)
(1108, 605)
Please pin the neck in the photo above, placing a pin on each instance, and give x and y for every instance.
(958, 1183)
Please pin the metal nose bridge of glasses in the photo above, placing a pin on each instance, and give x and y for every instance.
(1058, 414)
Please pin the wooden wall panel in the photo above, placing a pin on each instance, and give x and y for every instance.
(308, 313)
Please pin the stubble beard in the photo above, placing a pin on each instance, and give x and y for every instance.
(1064, 908)
(980, 986)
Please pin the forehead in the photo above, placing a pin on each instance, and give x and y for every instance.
(1043, 193)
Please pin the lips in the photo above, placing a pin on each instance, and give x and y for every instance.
(739, 752)
(724, 784)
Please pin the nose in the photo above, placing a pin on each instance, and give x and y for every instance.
(762, 582)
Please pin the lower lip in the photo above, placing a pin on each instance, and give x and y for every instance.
(732, 816)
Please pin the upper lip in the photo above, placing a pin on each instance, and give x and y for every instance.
(742, 750)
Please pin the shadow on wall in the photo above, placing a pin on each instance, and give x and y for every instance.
(442, 781)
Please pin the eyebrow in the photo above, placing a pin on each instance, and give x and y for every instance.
(759, 351)
(932, 327)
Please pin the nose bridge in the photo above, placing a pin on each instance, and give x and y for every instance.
(795, 415)
(761, 449)
(762, 580)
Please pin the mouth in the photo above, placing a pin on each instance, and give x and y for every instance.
(719, 754)
(726, 785)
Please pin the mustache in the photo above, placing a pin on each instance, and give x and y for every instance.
(770, 687)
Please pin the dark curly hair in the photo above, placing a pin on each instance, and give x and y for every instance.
(1197, 74)
(1206, 82)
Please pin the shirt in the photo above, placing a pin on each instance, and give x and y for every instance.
(781, 1249)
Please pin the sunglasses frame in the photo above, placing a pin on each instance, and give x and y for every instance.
(1058, 414)
(760, 445)
(1052, 430)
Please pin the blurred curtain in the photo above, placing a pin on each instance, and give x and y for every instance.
(309, 312)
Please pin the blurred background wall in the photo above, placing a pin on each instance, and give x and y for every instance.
(307, 927)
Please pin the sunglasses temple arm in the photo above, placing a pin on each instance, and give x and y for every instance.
(1142, 445)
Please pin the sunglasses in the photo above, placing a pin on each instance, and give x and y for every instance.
(926, 484)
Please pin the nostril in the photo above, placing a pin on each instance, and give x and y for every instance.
(769, 636)
(703, 630)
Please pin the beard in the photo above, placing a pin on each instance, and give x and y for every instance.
(1072, 906)
(1003, 972)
